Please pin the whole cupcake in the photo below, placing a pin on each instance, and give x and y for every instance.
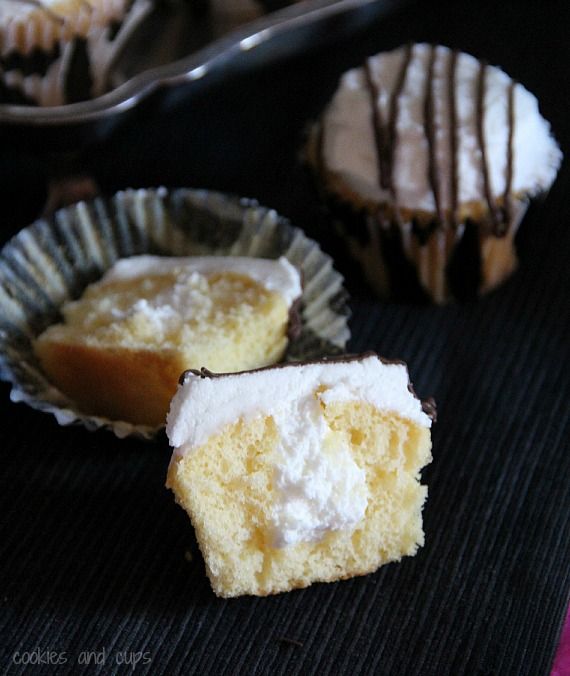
(428, 158)
(61, 51)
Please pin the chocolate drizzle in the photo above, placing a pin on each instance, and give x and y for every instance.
(295, 323)
(386, 136)
(429, 408)
(393, 120)
(341, 359)
(453, 137)
(378, 129)
(429, 128)
(480, 117)
(507, 198)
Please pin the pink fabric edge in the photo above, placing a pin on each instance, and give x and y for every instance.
(561, 666)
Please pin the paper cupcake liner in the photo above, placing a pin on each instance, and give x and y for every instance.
(52, 261)
(403, 261)
(51, 60)
(450, 262)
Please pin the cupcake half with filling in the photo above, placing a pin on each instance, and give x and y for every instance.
(54, 52)
(122, 346)
(427, 158)
(300, 473)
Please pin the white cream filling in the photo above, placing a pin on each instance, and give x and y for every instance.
(349, 148)
(320, 487)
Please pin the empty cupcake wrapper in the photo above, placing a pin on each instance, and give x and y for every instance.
(53, 260)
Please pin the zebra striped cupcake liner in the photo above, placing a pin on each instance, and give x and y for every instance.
(459, 262)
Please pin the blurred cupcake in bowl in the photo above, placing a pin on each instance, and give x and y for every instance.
(54, 52)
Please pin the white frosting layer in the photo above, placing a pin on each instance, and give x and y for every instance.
(349, 147)
(320, 487)
(278, 276)
(203, 406)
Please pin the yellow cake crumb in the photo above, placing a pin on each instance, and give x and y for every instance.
(122, 347)
(227, 486)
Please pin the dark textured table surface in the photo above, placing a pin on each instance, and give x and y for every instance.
(93, 550)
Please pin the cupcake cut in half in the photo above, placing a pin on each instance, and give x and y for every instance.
(122, 346)
(300, 473)
(428, 157)
(54, 52)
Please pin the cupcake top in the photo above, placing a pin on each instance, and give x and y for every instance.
(432, 130)
(164, 302)
(202, 407)
(278, 275)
